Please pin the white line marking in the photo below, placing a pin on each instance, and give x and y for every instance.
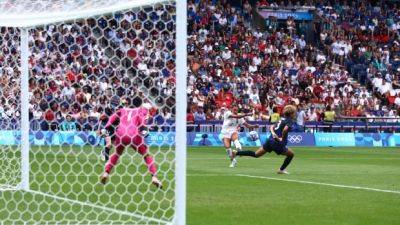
(139, 216)
(6, 187)
(318, 183)
(333, 158)
(208, 175)
(222, 158)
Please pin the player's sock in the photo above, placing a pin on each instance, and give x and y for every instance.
(106, 153)
(237, 145)
(286, 162)
(151, 166)
(112, 162)
(246, 153)
(229, 152)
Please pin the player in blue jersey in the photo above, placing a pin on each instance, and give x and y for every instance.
(277, 141)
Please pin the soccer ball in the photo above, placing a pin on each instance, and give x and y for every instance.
(144, 131)
(253, 135)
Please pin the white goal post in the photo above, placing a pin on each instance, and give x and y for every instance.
(30, 14)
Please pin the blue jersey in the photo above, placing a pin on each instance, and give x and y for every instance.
(280, 126)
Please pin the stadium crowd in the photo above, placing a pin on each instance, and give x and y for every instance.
(350, 68)
(81, 70)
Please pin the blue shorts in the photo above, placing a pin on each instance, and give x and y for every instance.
(276, 146)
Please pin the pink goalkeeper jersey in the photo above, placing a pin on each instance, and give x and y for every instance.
(129, 120)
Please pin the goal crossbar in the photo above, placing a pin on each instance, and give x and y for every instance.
(14, 18)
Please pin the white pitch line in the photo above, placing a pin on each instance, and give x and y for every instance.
(142, 217)
(333, 158)
(319, 183)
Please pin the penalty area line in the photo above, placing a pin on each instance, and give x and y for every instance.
(135, 215)
(321, 184)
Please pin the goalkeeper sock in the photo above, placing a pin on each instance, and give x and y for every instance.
(112, 162)
(107, 153)
(286, 162)
(151, 166)
(247, 153)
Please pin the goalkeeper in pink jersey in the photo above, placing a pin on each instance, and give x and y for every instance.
(130, 129)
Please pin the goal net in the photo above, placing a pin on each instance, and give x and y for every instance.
(67, 69)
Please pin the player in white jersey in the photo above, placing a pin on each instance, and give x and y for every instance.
(230, 129)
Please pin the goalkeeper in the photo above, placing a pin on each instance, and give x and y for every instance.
(129, 125)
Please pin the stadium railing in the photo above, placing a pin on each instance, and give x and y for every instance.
(344, 124)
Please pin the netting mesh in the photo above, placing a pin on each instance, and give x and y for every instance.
(13, 7)
(10, 98)
(81, 72)
(21, 13)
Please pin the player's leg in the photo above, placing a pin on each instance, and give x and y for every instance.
(227, 145)
(112, 161)
(260, 152)
(238, 147)
(107, 147)
(236, 142)
(289, 156)
(142, 148)
(102, 150)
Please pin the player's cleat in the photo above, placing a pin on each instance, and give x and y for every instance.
(282, 172)
(233, 163)
(104, 178)
(156, 182)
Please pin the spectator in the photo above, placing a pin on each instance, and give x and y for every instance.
(301, 118)
(199, 115)
(68, 124)
(275, 117)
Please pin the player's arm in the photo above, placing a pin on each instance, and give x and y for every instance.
(272, 130)
(239, 116)
(113, 118)
(285, 133)
(250, 126)
(264, 117)
(98, 132)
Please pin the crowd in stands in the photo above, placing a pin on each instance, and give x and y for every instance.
(352, 66)
(82, 70)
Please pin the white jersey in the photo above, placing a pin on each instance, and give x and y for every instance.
(231, 125)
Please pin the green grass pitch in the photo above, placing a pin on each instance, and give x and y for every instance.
(69, 177)
(216, 195)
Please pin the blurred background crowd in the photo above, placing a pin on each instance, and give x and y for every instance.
(349, 62)
(81, 71)
(346, 63)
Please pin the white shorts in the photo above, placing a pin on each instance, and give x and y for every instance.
(228, 133)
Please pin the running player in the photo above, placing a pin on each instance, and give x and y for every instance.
(129, 124)
(230, 130)
(277, 141)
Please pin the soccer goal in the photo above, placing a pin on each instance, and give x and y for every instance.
(65, 66)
